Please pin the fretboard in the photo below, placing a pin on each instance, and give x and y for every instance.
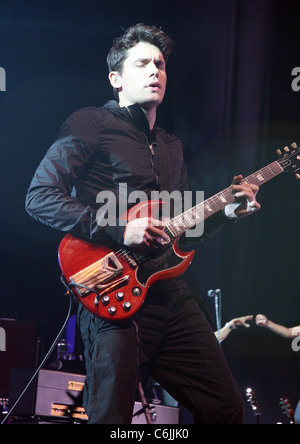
(188, 219)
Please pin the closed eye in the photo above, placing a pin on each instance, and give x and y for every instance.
(160, 64)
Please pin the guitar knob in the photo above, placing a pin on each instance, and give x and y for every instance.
(136, 291)
(127, 306)
(286, 149)
(120, 296)
(112, 310)
(279, 152)
(294, 145)
(105, 300)
(297, 176)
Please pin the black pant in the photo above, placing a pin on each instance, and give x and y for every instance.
(171, 336)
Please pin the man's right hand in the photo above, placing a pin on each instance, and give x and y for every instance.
(145, 233)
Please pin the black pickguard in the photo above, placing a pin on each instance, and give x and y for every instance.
(165, 260)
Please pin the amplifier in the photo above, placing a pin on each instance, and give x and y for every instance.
(51, 394)
(57, 396)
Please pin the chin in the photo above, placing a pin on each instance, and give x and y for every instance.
(153, 101)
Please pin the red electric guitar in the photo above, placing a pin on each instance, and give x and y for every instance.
(112, 281)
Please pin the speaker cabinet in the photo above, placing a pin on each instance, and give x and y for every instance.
(56, 397)
(52, 394)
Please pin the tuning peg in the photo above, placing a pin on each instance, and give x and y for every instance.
(294, 145)
(297, 175)
(279, 152)
(286, 149)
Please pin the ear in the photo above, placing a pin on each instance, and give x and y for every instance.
(115, 79)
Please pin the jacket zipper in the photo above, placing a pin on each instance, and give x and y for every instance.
(150, 145)
(151, 149)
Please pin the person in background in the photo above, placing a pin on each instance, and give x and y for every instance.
(231, 325)
(286, 332)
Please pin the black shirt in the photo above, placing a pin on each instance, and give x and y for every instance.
(98, 149)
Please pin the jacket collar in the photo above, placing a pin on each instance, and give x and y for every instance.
(133, 113)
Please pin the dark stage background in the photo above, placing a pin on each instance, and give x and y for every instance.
(231, 101)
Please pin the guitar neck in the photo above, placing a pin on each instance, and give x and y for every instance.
(188, 219)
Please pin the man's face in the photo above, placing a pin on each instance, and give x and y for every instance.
(143, 78)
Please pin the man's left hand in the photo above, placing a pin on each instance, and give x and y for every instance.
(245, 199)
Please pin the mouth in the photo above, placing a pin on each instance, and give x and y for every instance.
(154, 85)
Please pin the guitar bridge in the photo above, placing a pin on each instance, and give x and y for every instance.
(98, 275)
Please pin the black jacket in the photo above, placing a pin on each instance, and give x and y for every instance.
(97, 149)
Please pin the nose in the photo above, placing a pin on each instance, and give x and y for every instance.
(154, 69)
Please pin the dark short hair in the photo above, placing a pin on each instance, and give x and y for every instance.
(131, 37)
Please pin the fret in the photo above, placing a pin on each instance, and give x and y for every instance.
(208, 207)
(220, 200)
(175, 230)
(262, 176)
(276, 167)
(198, 212)
(188, 217)
(223, 199)
(214, 203)
(269, 171)
(255, 178)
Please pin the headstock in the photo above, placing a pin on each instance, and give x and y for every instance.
(287, 408)
(251, 398)
(290, 159)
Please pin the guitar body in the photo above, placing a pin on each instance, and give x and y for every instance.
(112, 283)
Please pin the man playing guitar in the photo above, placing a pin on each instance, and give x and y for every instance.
(96, 150)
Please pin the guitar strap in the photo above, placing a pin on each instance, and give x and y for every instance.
(164, 165)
